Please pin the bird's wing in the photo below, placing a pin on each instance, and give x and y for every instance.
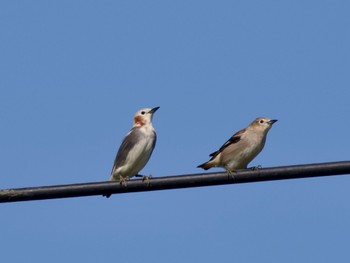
(130, 140)
(234, 139)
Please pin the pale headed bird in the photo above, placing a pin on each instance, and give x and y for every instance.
(136, 148)
(241, 148)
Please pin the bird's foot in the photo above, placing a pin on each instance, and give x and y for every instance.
(231, 174)
(122, 181)
(147, 179)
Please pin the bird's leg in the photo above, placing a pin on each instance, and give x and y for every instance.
(145, 178)
(230, 173)
(122, 181)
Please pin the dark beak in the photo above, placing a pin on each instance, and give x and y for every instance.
(272, 121)
(153, 110)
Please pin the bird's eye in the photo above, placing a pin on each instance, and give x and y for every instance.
(261, 121)
(143, 112)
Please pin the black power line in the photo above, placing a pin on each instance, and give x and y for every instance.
(173, 182)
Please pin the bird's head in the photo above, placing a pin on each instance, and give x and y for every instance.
(263, 124)
(144, 116)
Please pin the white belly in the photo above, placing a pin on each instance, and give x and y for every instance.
(136, 159)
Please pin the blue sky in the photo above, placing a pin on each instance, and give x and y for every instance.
(73, 73)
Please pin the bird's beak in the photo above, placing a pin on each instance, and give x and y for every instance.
(153, 110)
(272, 121)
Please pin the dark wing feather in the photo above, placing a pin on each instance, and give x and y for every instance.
(234, 139)
(128, 143)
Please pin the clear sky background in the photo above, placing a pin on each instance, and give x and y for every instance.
(73, 73)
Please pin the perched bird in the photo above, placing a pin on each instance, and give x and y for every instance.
(241, 148)
(136, 148)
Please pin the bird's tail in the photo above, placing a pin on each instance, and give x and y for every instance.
(205, 166)
(107, 195)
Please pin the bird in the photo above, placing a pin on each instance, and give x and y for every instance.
(136, 148)
(238, 151)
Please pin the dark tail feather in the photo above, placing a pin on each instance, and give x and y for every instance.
(106, 195)
(204, 166)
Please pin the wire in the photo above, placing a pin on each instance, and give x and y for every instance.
(175, 182)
